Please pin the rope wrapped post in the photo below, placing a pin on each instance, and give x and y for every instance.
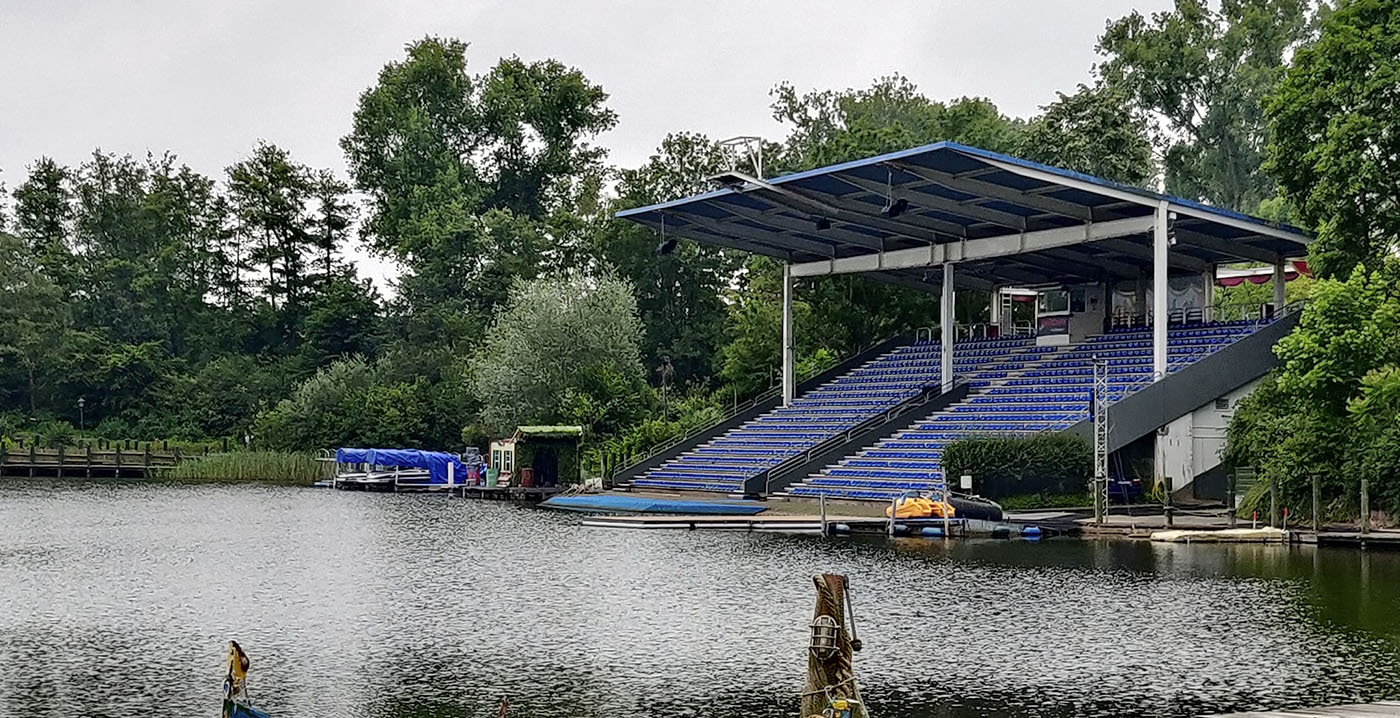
(830, 676)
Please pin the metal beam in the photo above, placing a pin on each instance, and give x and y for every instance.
(1116, 268)
(1178, 260)
(1226, 247)
(697, 234)
(717, 227)
(952, 229)
(1067, 182)
(951, 206)
(773, 218)
(945, 324)
(1243, 224)
(1049, 205)
(1160, 290)
(975, 249)
(793, 198)
(789, 355)
(1046, 262)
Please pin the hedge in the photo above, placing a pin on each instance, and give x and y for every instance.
(1055, 463)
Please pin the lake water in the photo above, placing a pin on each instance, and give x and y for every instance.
(117, 600)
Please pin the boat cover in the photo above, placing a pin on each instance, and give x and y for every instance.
(436, 462)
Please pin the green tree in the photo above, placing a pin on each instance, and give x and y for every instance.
(438, 150)
(564, 348)
(679, 294)
(1203, 75)
(32, 325)
(836, 126)
(1297, 424)
(1097, 131)
(1334, 130)
(43, 208)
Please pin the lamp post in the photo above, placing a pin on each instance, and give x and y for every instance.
(81, 403)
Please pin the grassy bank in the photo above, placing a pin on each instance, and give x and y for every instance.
(271, 467)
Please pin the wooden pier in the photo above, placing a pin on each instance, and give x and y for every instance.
(507, 493)
(1383, 709)
(68, 462)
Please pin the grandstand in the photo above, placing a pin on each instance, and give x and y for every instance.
(1119, 274)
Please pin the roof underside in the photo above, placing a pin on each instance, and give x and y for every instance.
(956, 196)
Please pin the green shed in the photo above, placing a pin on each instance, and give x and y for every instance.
(551, 454)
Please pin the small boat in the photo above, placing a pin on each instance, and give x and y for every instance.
(236, 701)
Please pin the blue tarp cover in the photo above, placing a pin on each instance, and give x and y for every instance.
(436, 462)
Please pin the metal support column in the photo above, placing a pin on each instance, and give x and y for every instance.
(789, 358)
(1280, 295)
(945, 310)
(1208, 294)
(994, 308)
(1160, 290)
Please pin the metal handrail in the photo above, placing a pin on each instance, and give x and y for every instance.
(1189, 358)
(926, 394)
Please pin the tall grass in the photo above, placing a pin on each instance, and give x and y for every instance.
(273, 467)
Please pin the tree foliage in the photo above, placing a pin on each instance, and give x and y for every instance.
(1203, 75)
(1335, 136)
(564, 349)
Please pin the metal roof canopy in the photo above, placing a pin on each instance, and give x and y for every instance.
(1001, 219)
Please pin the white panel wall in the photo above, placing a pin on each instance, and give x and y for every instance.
(1194, 443)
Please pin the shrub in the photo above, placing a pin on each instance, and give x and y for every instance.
(1010, 466)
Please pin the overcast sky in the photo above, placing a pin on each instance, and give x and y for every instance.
(208, 79)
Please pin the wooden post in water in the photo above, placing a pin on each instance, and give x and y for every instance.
(60, 460)
(1365, 509)
(822, 501)
(1230, 509)
(1317, 505)
(1273, 501)
(894, 510)
(1167, 501)
(829, 672)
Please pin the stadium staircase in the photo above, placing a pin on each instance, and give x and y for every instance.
(1025, 390)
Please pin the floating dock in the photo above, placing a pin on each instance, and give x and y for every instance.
(1383, 709)
(784, 523)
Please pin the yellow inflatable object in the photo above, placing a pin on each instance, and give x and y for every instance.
(919, 507)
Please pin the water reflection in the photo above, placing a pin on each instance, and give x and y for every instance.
(118, 599)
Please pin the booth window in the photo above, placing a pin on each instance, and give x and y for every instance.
(1054, 301)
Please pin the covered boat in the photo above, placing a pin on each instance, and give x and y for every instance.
(398, 469)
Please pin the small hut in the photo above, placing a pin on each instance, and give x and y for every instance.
(540, 455)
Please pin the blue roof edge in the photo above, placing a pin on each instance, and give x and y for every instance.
(980, 153)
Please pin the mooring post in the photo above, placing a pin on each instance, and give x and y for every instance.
(1365, 509)
(1230, 509)
(822, 501)
(894, 509)
(61, 453)
(87, 462)
(1317, 505)
(830, 676)
(1273, 501)
(947, 508)
(1167, 500)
